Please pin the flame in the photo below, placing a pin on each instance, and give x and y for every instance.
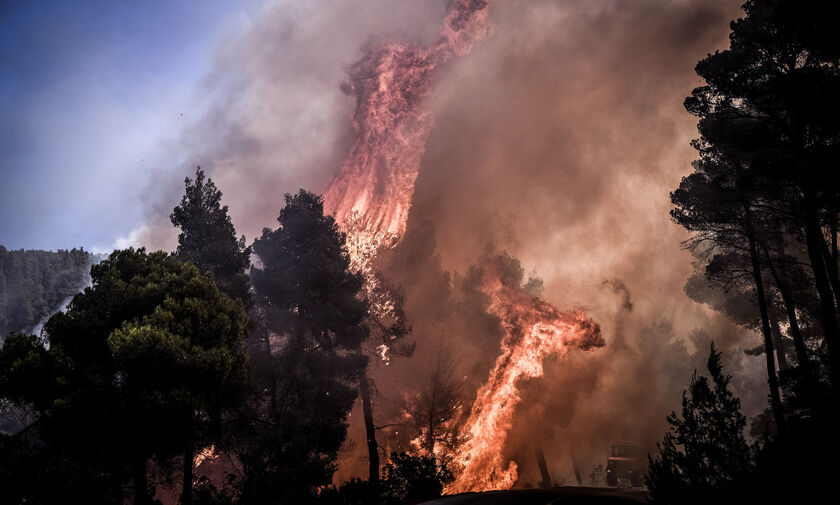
(207, 454)
(534, 329)
(370, 198)
(374, 186)
(371, 195)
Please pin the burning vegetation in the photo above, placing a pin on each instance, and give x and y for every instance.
(371, 198)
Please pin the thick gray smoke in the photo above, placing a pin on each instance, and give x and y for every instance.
(557, 140)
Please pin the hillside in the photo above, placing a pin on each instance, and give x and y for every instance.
(33, 284)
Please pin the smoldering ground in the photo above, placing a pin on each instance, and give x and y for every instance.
(557, 140)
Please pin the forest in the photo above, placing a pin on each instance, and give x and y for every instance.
(224, 372)
(34, 283)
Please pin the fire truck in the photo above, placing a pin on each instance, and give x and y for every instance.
(627, 465)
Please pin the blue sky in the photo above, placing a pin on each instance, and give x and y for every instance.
(89, 92)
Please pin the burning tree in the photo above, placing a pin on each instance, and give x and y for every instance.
(371, 195)
(371, 198)
(533, 330)
(436, 409)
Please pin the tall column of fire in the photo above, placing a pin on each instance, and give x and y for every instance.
(371, 197)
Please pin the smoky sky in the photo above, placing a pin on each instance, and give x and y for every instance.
(556, 140)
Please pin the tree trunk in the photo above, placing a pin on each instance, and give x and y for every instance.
(141, 481)
(833, 278)
(814, 242)
(370, 429)
(546, 477)
(834, 237)
(272, 386)
(431, 413)
(575, 465)
(186, 490)
(772, 379)
(431, 434)
(790, 310)
(780, 344)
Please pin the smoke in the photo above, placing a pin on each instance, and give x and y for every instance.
(557, 140)
(620, 288)
(276, 119)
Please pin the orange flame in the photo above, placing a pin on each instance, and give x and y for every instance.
(371, 197)
(376, 180)
(533, 330)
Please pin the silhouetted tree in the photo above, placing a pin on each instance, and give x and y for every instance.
(314, 317)
(717, 202)
(385, 342)
(388, 330)
(705, 451)
(769, 106)
(409, 478)
(208, 238)
(151, 346)
(435, 410)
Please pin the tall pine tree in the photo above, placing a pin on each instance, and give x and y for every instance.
(313, 316)
(208, 238)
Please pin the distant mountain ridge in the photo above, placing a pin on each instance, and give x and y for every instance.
(34, 283)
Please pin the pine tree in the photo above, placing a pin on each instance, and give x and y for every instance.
(705, 451)
(314, 315)
(208, 238)
(148, 348)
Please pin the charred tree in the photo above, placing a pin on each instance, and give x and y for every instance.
(575, 465)
(370, 430)
(831, 263)
(388, 328)
(435, 410)
(544, 475)
(779, 343)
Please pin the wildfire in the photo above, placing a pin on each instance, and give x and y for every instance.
(534, 329)
(204, 455)
(371, 197)
(373, 189)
